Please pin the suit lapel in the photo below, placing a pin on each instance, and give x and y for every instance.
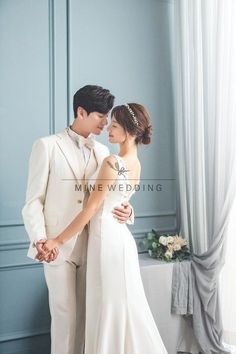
(76, 161)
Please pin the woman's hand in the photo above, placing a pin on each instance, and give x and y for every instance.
(49, 245)
(51, 256)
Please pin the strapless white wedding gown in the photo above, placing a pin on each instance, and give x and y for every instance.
(118, 317)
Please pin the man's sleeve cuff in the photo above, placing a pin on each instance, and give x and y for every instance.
(130, 221)
(38, 239)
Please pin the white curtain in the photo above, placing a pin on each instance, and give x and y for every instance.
(205, 93)
(205, 112)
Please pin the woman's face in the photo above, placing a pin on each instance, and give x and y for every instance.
(117, 134)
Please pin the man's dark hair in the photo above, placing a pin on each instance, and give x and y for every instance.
(93, 99)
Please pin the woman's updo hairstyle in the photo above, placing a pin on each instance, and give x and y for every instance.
(134, 118)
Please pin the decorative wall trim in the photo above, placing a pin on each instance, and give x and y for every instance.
(167, 1)
(68, 59)
(23, 334)
(144, 231)
(151, 214)
(51, 35)
(147, 214)
(16, 222)
(14, 245)
(20, 266)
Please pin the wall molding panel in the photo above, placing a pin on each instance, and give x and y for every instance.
(35, 32)
(12, 336)
(58, 51)
(51, 27)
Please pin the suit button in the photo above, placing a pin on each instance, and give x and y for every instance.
(79, 201)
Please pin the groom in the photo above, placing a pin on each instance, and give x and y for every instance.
(60, 167)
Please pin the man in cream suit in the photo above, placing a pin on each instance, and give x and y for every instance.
(60, 167)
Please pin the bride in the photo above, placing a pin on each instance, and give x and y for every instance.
(118, 318)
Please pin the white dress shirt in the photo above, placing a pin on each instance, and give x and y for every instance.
(85, 150)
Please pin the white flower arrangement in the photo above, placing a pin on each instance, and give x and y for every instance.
(167, 247)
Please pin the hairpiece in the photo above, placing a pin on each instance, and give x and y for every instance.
(135, 120)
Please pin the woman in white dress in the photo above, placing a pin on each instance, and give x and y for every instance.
(118, 317)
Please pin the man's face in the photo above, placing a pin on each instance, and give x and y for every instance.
(95, 122)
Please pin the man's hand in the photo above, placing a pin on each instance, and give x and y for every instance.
(39, 246)
(42, 255)
(122, 213)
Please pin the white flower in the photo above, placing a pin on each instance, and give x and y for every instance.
(170, 247)
(168, 254)
(170, 239)
(154, 245)
(177, 247)
(181, 241)
(163, 240)
(150, 252)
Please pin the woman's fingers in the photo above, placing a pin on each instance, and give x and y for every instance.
(53, 255)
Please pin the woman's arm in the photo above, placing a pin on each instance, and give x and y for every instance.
(105, 179)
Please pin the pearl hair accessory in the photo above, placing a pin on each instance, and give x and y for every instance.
(135, 120)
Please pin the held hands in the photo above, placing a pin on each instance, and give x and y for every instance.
(48, 250)
(45, 250)
(122, 213)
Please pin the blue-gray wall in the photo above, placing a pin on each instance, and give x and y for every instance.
(48, 50)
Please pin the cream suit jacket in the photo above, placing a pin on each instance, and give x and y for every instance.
(52, 200)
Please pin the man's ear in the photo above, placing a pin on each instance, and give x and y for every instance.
(81, 113)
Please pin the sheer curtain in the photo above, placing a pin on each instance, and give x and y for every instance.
(205, 115)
